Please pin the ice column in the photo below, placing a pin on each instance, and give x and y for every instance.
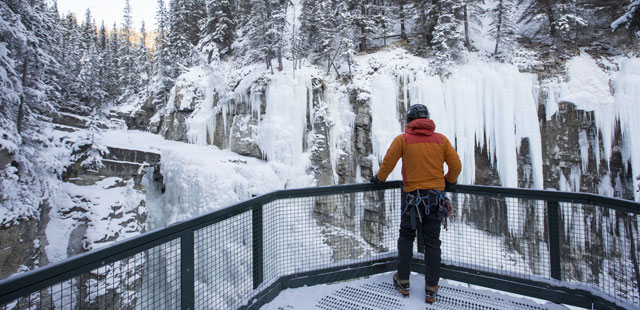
(627, 98)
(283, 126)
(482, 103)
(385, 125)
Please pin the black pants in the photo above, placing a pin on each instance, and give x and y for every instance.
(430, 229)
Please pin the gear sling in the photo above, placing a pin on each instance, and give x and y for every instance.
(420, 203)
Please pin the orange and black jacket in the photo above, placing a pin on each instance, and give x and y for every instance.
(423, 153)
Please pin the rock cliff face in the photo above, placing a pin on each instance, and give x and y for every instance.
(94, 227)
(569, 138)
(92, 208)
(23, 245)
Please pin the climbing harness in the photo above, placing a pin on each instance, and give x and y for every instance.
(419, 201)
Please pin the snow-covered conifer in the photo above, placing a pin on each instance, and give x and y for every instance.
(113, 60)
(630, 19)
(180, 36)
(447, 43)
(557, 19)
(503, 26)
(218, 31)
(126, 60)
(143, 67)
(266, 30)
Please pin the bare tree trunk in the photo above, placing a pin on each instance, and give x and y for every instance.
(293, 39)
(433, 20)
(280, 67)
(403, 33)
(271, 61)
(22, 97)
(499, 26)
(363, 36)
(552, 20)
(467, 42)
(328, 63)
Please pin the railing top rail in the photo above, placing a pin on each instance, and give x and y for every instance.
(43, 277)
(549, 195)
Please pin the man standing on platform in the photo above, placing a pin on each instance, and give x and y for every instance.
(424, 153)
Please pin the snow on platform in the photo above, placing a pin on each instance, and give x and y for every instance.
(378, 293)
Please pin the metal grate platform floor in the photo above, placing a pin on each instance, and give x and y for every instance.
(378, 293)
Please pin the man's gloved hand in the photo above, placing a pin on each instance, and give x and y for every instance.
(374, 179)
(447, 183)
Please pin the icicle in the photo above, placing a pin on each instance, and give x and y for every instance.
(627, 98)
(583, 141)
(384, 118)
(284, 124)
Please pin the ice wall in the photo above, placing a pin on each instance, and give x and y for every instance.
(480, 104)
(385, 124)
(627, 100)
(614, 98)
(588, 88)
(201, 179)
(343, 121)
(198, 85)
(484, 103)
(282, 129)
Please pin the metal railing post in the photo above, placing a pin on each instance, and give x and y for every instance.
(187, 278)
(258, 255)
(553, 223)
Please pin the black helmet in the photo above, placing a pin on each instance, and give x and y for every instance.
(417, 111)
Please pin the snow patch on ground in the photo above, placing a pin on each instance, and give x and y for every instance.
(107, 209)
(377, 292)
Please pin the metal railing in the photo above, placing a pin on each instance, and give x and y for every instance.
(571, 248)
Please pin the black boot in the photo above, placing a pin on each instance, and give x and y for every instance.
(401, 285)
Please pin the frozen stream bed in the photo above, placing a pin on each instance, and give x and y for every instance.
(378, 293)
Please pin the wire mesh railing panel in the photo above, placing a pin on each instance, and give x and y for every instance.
(305, 234)
(598, 248)
(499, 235)
(245, 249)
(223, 263)
(161, 284)
(129, 283)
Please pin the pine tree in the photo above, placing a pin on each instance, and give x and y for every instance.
(182, 36)
(447, 43)
(362, 15)
(126, 58)
(402, 9)
(142, 62)
(309, 24)
(346, 40)
(218, 31)
(90, 90)
(471, 10)
(14, 36)
(160, 55)
(631, 20)
(424, 16)
(70, 60)
(24, 104)
(561, 17)
(266, 29)
(327, 35)
(503, 27)
(113, 65)
(569, 20)
(161, 80)
(89, 31)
